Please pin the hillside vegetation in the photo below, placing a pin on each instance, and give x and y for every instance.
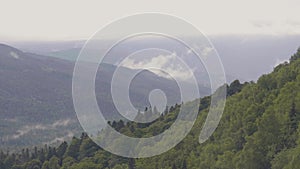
(258, 130)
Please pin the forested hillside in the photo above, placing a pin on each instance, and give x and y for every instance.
(258, 130)
(36, 105)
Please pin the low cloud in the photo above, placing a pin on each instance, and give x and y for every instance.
(206, 51)
(61, 123)
(29, 128)
(14, 55)
(168, 66)
(26, 129)
(60, 139)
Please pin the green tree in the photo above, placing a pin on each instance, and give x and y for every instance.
(61, 150)
(33, 164)
(73, 149)
(54, 163)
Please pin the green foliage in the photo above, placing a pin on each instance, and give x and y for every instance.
(33, 164)
(296, 55)
(61, 150)
(87, 148)
(73, 149)
(234, 87)
(54, 163)
(259, 130)
(46, 165)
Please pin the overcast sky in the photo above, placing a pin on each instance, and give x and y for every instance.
(70, 20)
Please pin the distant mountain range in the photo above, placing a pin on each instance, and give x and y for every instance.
(245, 57)
(36, 96)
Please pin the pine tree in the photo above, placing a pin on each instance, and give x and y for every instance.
(62, 149)
(131, 164)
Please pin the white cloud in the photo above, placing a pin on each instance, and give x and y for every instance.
(14, 55)
(168, 66)
(60, 123)
(60, 139)
(28, 128)
(206, 51)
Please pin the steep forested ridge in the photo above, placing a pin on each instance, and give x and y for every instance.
(258, 130)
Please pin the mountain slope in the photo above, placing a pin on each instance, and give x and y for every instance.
(36, 96)
(259, 130)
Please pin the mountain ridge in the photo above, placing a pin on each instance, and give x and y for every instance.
(36, 91)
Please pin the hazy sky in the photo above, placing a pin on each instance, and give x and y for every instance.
(70, 20)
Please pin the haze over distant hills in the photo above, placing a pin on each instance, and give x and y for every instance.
(245, 57)
(35, 89)
(36, 98)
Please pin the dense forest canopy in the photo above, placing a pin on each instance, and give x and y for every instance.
(258, 130)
